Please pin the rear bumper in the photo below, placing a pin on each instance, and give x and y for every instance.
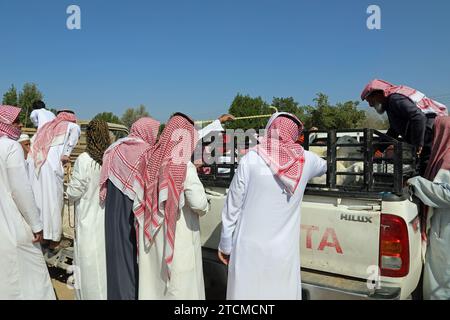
(315, 285)
(328, 287)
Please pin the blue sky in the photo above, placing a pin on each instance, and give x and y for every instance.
(195, 56)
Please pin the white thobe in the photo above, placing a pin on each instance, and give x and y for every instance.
(214, 126)
(436, 194)
(89, 246)
(39, 117)
(48, 187)
(261, 231)
(23, 272)
(186, 281)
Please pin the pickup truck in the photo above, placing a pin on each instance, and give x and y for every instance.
(359, 240)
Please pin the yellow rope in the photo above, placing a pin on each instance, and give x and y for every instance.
(243, 118)
(238, 118)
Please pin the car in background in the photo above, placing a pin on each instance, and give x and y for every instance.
(117, 131)
(62, 258)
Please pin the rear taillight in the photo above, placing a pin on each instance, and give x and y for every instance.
(394, 246)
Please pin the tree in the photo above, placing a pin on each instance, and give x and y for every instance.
(10, 97)
(375, 121)
(348, 116)
(340, 116)
(131, 115)
(30, 93)
(108, 117)
(243, 106)
(162, 126)
(323, 115)
(291, 106)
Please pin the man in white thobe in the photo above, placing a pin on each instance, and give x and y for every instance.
(40, 115)
(261, 217)
(434, 192)
(50, 151)
(180, 276)
(25, 142)
(23, 272)
(84, 190)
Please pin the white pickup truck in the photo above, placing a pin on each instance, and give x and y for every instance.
(358, 241)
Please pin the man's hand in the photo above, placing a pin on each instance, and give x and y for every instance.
(198, 164)
(38, 236)
(225, 258)
(65, 160)
(54, 244)
(419, 151)
(378, 154)
(226, 117)
(389, 153)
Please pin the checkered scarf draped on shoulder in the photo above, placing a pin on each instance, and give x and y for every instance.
(279, 150)
(51, 133)
(166, 172)
(123, 162)
(422, 102)
(9, 114)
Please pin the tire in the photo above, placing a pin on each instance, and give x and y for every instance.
(215, 275)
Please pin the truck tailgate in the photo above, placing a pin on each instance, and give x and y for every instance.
(335, 238)
(340, 235)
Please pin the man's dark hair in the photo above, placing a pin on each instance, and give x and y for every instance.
(296, 121)
(66, 111)
(184, 116)
(375, 92)
(38, 104)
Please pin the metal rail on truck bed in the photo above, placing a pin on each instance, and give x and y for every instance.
(378, 175)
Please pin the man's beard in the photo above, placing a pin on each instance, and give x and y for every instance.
(379, 108)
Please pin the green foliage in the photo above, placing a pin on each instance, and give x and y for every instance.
(291, 106)
(108, 117)
(131, 115)
(25, 99)
(322, 115)
(29, 94)
(375, 121)
(161, 128)
(243, 106)
(10, 97)
(340, 116)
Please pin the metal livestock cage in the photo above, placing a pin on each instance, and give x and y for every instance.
(353, 168)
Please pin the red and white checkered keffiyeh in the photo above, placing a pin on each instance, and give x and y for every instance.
(278, 148)
(425, 104)
(123, 162)
(51, 134)
(9, 114)
(166, 172)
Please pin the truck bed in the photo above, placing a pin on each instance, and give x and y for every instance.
(341, 223)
